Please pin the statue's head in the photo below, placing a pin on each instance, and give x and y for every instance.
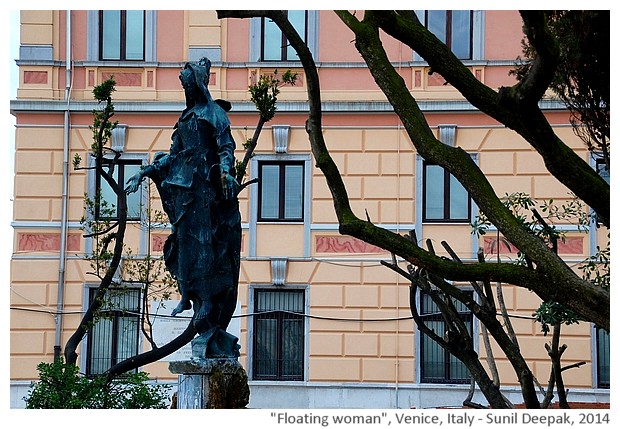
(195, 79)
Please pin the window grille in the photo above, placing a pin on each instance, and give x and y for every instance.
(602, 358)
(278, 347)
(437, 365)
(115, 335)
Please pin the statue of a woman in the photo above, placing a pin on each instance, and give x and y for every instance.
(198, 190)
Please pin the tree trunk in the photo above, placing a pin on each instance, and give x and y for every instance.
(489, 389)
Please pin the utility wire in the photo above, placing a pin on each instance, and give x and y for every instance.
(262, 313)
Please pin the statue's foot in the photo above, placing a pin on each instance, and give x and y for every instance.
(183, 305)
(200, 314)
(223, 344)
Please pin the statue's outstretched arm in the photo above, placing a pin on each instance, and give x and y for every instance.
(134, 181)
(161, 161)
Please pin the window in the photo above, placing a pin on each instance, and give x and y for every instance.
(438, 365)
(444, 198)
(454, 28)
(602, 169)
(114, 336)
(274, 46)
(281, 191)
(602, 358)
(278, 347)
(107, 209)
(121, 35)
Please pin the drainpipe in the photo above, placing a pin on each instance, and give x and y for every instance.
(65, 193)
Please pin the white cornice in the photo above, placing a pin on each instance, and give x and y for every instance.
(141, 107)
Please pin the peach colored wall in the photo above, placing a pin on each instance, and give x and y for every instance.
(237, 40)
(37, 27)
(496, 77)
(204, 29)
(364, 292)
(237, 79)
(78, 24)
(170, 43)
(350, 80)
(531, 338)
(336, 40)
(503, 34)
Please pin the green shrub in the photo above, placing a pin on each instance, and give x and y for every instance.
(60, 385)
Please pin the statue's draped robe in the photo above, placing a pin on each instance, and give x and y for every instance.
(203, 251)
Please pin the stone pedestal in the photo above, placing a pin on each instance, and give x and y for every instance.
(211, 383)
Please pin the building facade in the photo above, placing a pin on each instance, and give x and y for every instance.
(322, 323)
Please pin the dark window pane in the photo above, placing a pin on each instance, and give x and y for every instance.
(427, 305)
(276, 300)
(123, 170)
(458, 370)
(266, 350)
(437, 23)
(134, 41)
(272, 41)
(459, 200)
(437, 365)
(111, 37)
(115, 335)
(108, 197)
(270, 192)
(281, 191)
(127, 337)
(293, 192)
(292, 348)
(603, 170)
(444, 198)
(433, 354)
(274, 46)
(298, 20)
(434, 192)
(122, 35)
(278, 335)
(454, 28)
(461, 34)
(134, 200)
(602, 348)
(100, 349)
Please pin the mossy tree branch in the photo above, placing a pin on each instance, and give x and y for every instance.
(516, 106)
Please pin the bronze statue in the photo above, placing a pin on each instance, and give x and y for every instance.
(198, 190)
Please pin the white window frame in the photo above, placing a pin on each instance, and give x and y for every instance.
(88, 287)
(253, 216)
(418, 337)
(595, 356)
(478, 23)
(150, 39)
(312, 41)
(144, 197)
